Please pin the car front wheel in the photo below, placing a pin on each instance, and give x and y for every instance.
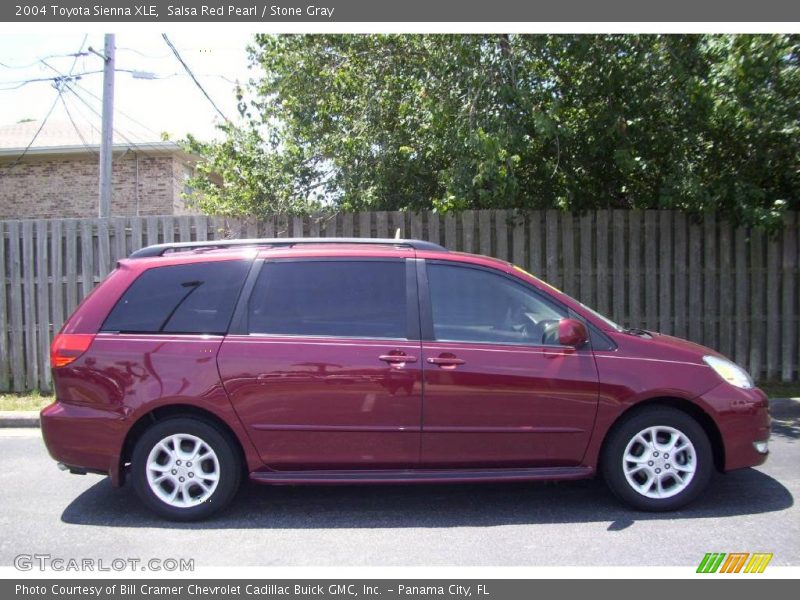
(185, 469)
(659, 459)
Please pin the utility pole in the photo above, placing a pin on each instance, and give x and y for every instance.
(107, 141)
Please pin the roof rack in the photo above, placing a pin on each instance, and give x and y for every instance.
(161, 249)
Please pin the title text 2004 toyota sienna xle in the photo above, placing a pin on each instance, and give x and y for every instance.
(378, 361)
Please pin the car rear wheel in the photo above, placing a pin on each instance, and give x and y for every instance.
(185, 469)
(658, 459)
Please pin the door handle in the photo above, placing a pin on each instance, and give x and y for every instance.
(446, 362)
(397, 358)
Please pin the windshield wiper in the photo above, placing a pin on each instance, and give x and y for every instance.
(638, 331)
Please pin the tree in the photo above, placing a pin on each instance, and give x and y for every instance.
(450, 122)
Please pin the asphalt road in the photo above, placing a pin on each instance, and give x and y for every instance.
(568, 523)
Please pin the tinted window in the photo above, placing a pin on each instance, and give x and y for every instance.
(474, 305)
(330, 298)
(195, 298)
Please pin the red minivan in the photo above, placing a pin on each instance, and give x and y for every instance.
(341, 361)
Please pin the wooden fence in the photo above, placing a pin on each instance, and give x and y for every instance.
(732, 289)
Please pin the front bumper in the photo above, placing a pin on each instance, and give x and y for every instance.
(743, 420)
(84, 439)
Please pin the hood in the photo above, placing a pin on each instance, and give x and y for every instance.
(661, 346)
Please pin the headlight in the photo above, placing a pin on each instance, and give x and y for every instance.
(730, 372)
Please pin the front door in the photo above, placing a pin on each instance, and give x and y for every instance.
(327, 374)
(499, 390)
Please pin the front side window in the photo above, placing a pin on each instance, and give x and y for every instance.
(330, 298)
(475, 305)
(192, 298)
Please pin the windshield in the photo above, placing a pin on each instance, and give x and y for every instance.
(593, 312)
(603, 318)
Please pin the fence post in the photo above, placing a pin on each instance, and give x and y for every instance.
(601, 252)
(665, 272)
(587, 255)
(742, 294)
(679, 274)
(29, 303)
(634, 262)
(87, 258)
(42, 305)
(468, 230)
(501, 227)
(789, 366)
(773, 309)
(518, 250)
(756, 302)
(57, 270)
(5, 363)
(618, 267)
(17, 349)
(710, 298)
(726, 286)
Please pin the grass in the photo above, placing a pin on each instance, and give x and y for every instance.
(32, 401)
(37, 401)
(780, 389)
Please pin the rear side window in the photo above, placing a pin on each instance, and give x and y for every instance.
(194, 298)
(330, 298)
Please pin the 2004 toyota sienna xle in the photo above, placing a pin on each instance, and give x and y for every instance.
(334, 361)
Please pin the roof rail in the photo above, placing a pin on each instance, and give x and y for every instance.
(161, 249)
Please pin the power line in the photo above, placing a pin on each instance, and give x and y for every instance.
(150, 76)
(117, 110)
(35, 135)
(144, 55)
(74, 125)
(79, 110)
(189, 71)
(99, 99)
(52, 108)
(75, 55)
(21, 82)
(96, 112)
(140, 147)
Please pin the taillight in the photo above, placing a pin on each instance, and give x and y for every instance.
(66, 347)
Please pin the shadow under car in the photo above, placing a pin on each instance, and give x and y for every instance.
(454, 505)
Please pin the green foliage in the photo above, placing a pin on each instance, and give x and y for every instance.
(451, 122)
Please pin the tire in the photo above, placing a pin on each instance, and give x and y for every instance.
(178, 488)
(654, 477)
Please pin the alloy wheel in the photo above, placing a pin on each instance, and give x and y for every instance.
(659, 462)
(182, 470)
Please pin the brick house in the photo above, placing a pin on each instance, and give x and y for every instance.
(59, 174)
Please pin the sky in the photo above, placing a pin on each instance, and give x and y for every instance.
(144, 108)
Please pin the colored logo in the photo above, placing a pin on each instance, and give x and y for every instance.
(735, 562)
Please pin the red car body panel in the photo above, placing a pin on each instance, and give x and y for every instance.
(507, 406)
(124, 377)
(322, 404)
(326, 404)
(642, 369)
(742, 416)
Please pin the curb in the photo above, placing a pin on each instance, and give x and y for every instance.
(778, 407)
(19, 418)
(784, 407)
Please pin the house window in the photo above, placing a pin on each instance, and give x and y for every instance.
(188, 173)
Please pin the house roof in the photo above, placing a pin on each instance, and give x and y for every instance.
(62, 137)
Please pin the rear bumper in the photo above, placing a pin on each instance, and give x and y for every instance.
(743, 420)
(84, 438)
